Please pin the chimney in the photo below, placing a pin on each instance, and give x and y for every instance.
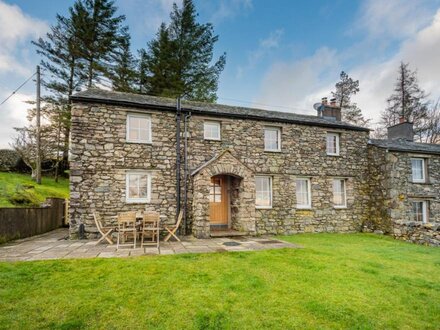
(328, 111)
(403, 130)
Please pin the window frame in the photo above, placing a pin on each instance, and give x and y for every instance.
(423, 180)
(143, 116)
(309, 193)
(278, 130)
(270, 192)
(338, 140)
(127, 187)
(344, 205)
(211, 122)
(425, 210)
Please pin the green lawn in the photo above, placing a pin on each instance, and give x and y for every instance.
(48, 188)
(357, 281)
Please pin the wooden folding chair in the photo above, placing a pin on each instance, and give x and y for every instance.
(104, 231)
(126, 228)
(150, 229)
(173, 228)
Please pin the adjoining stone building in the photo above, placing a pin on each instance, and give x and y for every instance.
(405, 186)
(231, 168)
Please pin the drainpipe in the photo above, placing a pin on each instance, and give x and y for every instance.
(185, 173)
(178, 113)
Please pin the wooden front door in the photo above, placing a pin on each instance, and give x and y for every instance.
(219, 200)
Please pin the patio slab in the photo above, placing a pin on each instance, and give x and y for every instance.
(56, 245)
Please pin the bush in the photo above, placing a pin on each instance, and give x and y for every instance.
(9, 160)
(24, 196)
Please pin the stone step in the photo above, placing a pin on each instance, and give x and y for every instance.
(228, 233)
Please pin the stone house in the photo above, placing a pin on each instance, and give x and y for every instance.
(238, 169)
(235, 170)
(405, 186)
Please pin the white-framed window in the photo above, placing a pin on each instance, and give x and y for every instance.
(263, 194)
(418, 169)
(211, 130)
(332, 144)
(339, 193)
(420, 211)
(138, 187)
(303, 193)
(138, 128)
(272, 139)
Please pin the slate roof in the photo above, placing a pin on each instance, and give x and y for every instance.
(213, 109)
(401, 145)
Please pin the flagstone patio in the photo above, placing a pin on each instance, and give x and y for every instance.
(56, 245)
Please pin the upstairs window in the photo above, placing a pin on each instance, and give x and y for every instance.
(263, 187)
(138, 187)
(138, 128)
(211, 130)
(333, 144)
(303, 193)
(339, 193)
(418, 169)
(420, 211)
(272, 139)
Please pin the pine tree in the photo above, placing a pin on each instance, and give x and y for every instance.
(408, 101)
(63, 72)
(345, 89)
(179, 58)
(99, 35)
(123, 72)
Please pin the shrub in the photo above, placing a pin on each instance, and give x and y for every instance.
(24, 196)
(9, 160)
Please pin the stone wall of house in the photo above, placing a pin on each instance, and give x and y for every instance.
(303, 154)
(393, 191)
(416, 232)
(100, 158)
(379, 218)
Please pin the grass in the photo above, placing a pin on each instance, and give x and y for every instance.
(48, 188)
(356, 281)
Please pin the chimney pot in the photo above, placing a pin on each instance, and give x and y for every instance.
(324, 101)
(333, 102)
(401, 119)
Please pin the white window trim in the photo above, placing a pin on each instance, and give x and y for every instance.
(423, 180)
(425, 214)
(267, 207)
(309, 192)
(278, 130)
(127, 187)
(149, 137)
(344, 206)
(337, 144)
(218, 124)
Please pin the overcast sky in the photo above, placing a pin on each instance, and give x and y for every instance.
(281, 55)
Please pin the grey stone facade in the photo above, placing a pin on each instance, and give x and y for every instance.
(377, 176)
(393, 191)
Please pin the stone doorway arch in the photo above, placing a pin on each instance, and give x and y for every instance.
(242, 192)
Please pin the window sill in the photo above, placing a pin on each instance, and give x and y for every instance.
(420, 182)
(138, 142)
(263, 207)
(207, 139)
(265, 150)
(303, 207)
(340, 207)
(136, 201)
(334, 155)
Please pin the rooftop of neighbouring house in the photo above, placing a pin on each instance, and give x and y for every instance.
(403, 145)
(161, 103)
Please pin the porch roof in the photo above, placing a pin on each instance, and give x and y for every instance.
(210, 109)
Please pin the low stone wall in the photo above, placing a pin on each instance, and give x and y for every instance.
(417, 232)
